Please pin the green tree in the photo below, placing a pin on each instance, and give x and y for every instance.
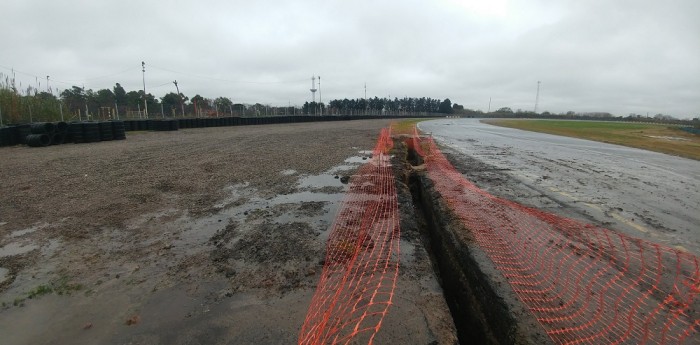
(105, 98)
(74, 99)
(224, 104)
(119, 94)
(171, 103)
(445, 107)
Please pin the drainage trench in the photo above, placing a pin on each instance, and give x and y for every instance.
(484, 308)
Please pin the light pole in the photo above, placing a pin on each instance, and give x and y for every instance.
(320, 99)
(145, 104)
(182, 107)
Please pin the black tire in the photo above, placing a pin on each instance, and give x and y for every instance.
(57, 139)
(38, 140)
(91, 132)
(118, 130)
(75, 129)
(21, 133)
(5, 136)
(43, 128)
(106, 131)
(61, 127)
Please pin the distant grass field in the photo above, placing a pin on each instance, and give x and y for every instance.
(405, 126)
(659, 138)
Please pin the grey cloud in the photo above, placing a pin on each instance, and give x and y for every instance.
(618, 56)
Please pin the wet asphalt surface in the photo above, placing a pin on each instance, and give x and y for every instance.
(643, 194)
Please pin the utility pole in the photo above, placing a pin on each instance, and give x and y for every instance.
(365, 98)
(537, 98)
(145, 104)
(47, 83)
(489, 105)
(116, 109)
(182, 107)
(320, 99)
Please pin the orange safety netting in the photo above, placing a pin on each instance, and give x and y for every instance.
(362, 259)
(584, 284)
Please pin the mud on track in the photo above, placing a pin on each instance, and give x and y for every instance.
(210, 235)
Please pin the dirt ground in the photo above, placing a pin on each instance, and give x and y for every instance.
(200, 236)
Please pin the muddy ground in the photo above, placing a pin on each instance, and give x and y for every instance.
(200, 236)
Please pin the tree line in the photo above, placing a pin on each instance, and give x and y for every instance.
(18, 104)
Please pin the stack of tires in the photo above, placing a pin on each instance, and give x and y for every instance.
(118, 130)
(91, 132)
(47, 133)
(165, 125)
(5, 136)
(75, 131)
(42, 134)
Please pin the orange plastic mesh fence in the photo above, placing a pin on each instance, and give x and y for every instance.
(584, 284)
(362, 258)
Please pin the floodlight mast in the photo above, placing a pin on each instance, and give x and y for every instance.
(145, 103)
(537, 98)
(313, 89)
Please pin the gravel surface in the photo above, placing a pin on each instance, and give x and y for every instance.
(211, 235)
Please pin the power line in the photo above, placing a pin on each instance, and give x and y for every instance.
(69, 82)
(228, 80)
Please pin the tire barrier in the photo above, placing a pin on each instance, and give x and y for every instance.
(584, 284)
(43, 128)
(5, 136)
(38, 140)
(57, 138)
(91, 132)
(118, 130)
(106, 132)
(75, 129)
(59, 133)
(203, 122)
(166, 125)
(362, 258)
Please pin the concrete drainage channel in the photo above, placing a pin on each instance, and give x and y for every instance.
(484, 308)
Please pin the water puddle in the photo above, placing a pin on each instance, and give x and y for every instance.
(29, 230)
(16, 249)
(320, 181)
(4, 272)
(288, 172)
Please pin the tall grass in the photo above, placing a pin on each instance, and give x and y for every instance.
(24, 105)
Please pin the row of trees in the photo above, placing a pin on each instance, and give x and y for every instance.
(406, 104)
(18, 104)
(80, 103)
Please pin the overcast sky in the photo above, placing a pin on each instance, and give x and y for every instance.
(590, 55)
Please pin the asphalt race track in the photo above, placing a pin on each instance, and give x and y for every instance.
(644, 194)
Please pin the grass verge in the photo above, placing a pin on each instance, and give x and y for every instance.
(652, 137)
(405, 126)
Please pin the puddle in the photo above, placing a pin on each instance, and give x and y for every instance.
(358, 159)
(29, 230)
(4, 272)
(244, 208)
(16, 249)
(320, 181)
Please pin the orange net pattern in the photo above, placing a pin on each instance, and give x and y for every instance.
(362, 258)
(583, 283)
